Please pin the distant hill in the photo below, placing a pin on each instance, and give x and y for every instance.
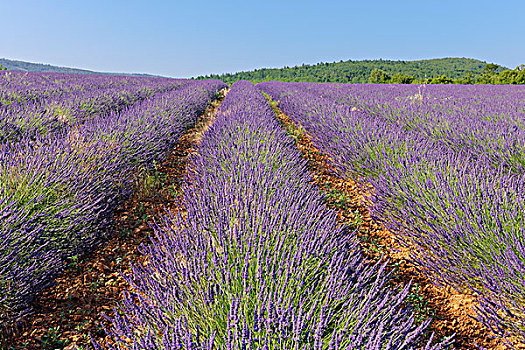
(39, 67)
(360, 71)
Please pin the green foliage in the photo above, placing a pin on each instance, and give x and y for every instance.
(400, 78)
(510, 77)
(441, 80)
(460, 70)
(490, 69)
(2, 67)
(513, 77)
(377, 76)
(468, 80)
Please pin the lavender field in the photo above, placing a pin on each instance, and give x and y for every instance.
(61, 176)
(447, 169)
(258, 260)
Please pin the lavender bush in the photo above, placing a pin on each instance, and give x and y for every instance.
(18, 88)
(68, 100)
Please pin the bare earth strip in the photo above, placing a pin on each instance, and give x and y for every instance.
(69, 312)
(449, 309)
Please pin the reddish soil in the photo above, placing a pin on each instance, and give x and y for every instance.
(449, 309)
(68, 313)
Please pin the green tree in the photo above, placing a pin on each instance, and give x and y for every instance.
(2, 67)
(442, 80)
(490, 69)
(488, 75)
(520, 76)
(467, 80)
(515, 76)
(400, 78)
(378, 76)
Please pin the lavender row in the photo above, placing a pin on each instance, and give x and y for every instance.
(74, 106)
(17, 88)
(487, 121)
(258, 262)
(460, 210)
(57, 193)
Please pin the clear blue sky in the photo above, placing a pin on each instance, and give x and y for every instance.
(190, 38)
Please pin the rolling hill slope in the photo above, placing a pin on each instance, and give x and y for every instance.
(359, 71)
(39, 67)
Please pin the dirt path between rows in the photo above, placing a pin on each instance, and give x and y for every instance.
(449, 309)
(68, 313)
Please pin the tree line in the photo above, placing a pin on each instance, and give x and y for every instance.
(432, 71)
(489, 76)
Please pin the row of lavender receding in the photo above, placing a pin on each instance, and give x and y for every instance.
(31, 105)
(489, 121)
(17, 88)
(258, 261)
(58, 191)
(447, 168)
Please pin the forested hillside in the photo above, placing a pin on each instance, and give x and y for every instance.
(439, 70)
